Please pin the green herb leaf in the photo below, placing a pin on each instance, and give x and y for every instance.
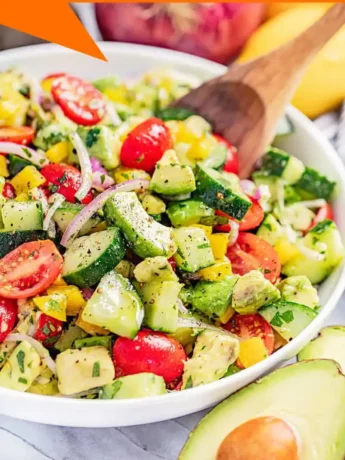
(276, 320)
(92, 137)
(189, 383)
(287, 316)
(96, 370)
(22, 380)
(20, 359)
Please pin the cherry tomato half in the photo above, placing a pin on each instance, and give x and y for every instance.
(149, 352)
(79, 100)
(145, 145)
(172, 262)
(48, 330)
(232, 162)
(8, 191)
(19, 135)
(8, 315)
(248, 326)
(64, 179)
(253, 217)
(29, 269)
(325, 212)
(251, 252)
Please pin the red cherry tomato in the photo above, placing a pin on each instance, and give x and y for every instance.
(232, 162)
(248, 326)
(54, 75)
(8, 191)
(79, 100)
(325, 212)
(19, 135)
(253, 217)
(253, 253)
(172, 262)
(29, 269)
(149, 352)
(8, 315)
(145, 144)
(48, 330)
(64, 179)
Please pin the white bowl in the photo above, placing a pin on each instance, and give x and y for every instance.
(307, 143)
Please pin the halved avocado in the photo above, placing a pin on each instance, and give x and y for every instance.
(307, 396)
(330, 344)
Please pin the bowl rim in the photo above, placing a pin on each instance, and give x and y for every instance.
(202, 65)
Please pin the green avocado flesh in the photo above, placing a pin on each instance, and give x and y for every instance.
(310, 396)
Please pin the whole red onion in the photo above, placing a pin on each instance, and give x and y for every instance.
(215, 31)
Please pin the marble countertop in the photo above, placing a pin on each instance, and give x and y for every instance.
(159, 441)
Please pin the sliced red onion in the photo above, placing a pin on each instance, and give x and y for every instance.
(44, 354)
(85, 165)
(96, 165)
(87, 293)
(234, 232)
(101, 181)
(88, 211)
(57, 201)
(248, 187)
(24, 152)
(38, 195)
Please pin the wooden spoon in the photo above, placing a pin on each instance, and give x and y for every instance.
(245, 104)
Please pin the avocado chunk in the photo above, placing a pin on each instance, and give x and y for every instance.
(188, 212)
(66, 340)
(298, 289)
(172, 178)
(213, 298)
(213, 353)
(294, 394)
(154, 269)
(101, 143)
(134, 386)
(270, 230)
(193, 249)
(253, 291)
(50, 134)
(145, 236)
(21, 368)
(153, 205)
(330, 344)
(116, 306)
(160, 304)
(47, 386)
(81, 370)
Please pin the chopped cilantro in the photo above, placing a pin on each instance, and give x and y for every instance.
(276, 320)
(54, 138)
(96, 370)
(92, 137)
(53, 305)
(27, 152)
(102, 178)
(22, 380)
(20, 359)
(45, 329)
(63, 178)
(203, 246)
(189, 383)
(287, 316)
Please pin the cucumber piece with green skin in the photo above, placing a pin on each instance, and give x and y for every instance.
(11, 240)
(68, 337)
(174, 113)
(160, 304)
(185, 213)
(116, 306)
(288, 319)
(291, 195)
(134, 386)
(285, 127)
(67, 212)
(101, 341)
(270, 230)
(221, 192)
(144, 235)
(16, 164)
(278, 163)
(91, 257)
(312, 184)
(193, 249)
(217, 157)
(213, 299)
(22, 215)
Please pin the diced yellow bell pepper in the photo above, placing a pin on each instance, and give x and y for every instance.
(59, 281)
(75, 300)
(59, 152)
(47, 83)
(117, 94)
(252, 351)
(201, 148)
(13, 108)
(54, 305)
(3, 167)
(207, 229)
(217, 272)
(285, 250)
(279, 342)
(219, 244)
(90, 328)
(2, 184)
(123, 174)
(27, 179)
(182, 133)
(22, 197)
(227, 315)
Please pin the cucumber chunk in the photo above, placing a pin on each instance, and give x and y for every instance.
(16, 164)
(312, 184)
(20, 215)
(288, 318)
(145, 236)
(185, 213)
(278, 163)
(67, 212)
(270, 230)
(217, 157)
(116, 306)
(11, 240)
(193, 249)
(134, 386)
(91, 257)
(221, 192)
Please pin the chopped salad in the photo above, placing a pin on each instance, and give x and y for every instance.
(133, 260)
